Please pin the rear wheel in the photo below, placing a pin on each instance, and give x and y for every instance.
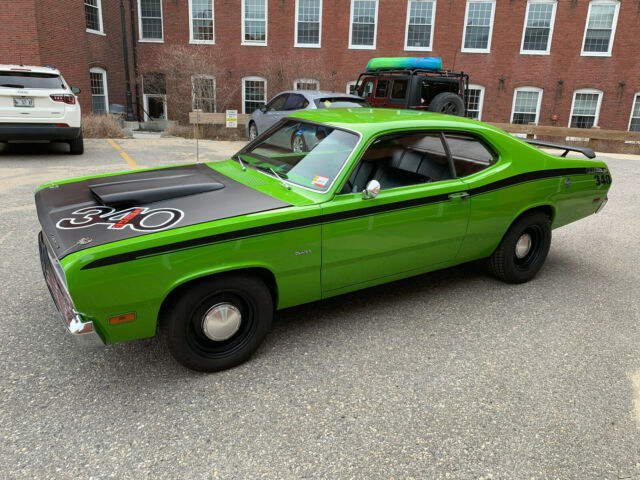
(523, 249)
(447, 102)
(298, 145)
(218, 323)
(77, 145)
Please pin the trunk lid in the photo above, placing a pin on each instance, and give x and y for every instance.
(26, 95)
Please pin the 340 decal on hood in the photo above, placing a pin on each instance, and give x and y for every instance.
(140, 219)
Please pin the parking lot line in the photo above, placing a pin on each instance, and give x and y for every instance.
(124, 155)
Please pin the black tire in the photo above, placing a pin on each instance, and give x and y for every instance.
(76, 145)
(512, 266)
(298, 144)
(182, 324)
(447, 102)
(253, 131)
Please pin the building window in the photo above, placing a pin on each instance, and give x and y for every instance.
(538, 27)
(93, 15)
(351, 88)
(364, 24)
(254, 22)
(306, 84)
(601, 28)
(475, 98)
(99, 94)
(201, 26)
(585, 108)
(478, 21)
(526, 105)
(419, 31)
(254, 93)
(203, 94)
(308, 23)
(634, 123)
(150, 20)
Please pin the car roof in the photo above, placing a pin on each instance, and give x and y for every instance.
(372, 120)
(29, 68)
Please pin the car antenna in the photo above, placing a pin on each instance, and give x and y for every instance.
(285, 184)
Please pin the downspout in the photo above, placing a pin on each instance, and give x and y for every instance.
(134, 43)
(125, 54)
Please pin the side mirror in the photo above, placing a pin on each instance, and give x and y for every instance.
(76, 90)
(371, 190)
(263, 108)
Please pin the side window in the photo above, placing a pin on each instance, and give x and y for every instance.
(367, 89)
(295, 102)
(469, 154)
(399, 89)
(277, 103)
(382, 88)
(400, 160)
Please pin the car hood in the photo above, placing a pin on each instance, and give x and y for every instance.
(100, 210)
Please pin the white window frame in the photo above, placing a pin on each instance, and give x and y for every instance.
(551, 26)
(193, 93)
(102, 72)
(464, 27)
(587, 90)
(306, 80)
(253, 79)
(480, 99)
(266, 29)
(406, 29)
(213, 21)
(375, 30)
(150, 40)
(101, 31)
(538, 90)
(636, 98)
(613, 28)
(349, 84)
(295, 33)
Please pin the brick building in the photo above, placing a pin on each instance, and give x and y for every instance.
(564, 62)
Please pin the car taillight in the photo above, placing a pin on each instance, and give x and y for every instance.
(64, 97)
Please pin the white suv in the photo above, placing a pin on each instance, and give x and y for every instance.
(37, 104)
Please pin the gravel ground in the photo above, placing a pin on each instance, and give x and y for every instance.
(447, 375)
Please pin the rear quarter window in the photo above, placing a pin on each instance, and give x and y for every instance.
(30, 80)
(340, 102)
(469, 154)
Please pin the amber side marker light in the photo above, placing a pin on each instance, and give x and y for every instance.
(125, 317)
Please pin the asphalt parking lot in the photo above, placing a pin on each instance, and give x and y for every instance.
(447, 375)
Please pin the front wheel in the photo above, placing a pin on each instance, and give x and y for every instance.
(218, 323)
(523, 249)
(253, 131)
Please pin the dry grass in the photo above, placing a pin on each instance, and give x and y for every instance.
(102, 126)
(209, 132)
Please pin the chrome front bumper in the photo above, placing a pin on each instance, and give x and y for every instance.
(84, 333)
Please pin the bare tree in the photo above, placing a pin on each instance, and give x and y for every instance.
(195, 78)
(281, 71)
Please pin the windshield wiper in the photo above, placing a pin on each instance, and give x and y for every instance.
(281, 178)
(236, 156)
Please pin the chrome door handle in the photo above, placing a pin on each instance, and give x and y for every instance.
(459, 195)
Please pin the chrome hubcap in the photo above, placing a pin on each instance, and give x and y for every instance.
(221, 322)
(297, 145)
(523, 246)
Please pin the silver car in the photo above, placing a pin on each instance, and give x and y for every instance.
(294, 100)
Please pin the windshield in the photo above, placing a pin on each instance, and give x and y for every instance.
(341, 102)
(30, 80)
(305, 154)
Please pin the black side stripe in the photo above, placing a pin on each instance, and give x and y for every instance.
(319, 219)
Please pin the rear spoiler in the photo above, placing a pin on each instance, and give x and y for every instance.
(586, 151)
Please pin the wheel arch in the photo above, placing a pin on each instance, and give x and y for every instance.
(546, 208)
(261, 272)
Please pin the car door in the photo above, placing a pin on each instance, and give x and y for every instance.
(272, 112)
(418, 219)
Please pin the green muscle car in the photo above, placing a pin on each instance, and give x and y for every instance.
(325, 202)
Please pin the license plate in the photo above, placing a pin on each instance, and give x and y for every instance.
(23, 101)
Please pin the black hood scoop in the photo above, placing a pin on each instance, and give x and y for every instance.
(125, 193)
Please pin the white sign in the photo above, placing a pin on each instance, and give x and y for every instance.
(232, 118)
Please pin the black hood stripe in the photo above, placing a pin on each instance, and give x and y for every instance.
(319, 219)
